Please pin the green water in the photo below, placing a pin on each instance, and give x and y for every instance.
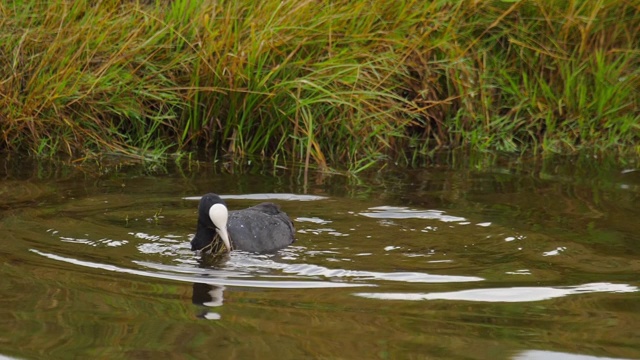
(463, 259)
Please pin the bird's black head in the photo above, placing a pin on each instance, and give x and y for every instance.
(206, 230)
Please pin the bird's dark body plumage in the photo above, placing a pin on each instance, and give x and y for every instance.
(261, 228)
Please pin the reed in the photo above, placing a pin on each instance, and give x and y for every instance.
(345, 84)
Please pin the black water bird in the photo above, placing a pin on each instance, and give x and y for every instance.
(261, 229)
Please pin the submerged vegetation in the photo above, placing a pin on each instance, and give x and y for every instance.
(339, 82)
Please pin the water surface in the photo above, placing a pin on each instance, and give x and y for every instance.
(461, 259)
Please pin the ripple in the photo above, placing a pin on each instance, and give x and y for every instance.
(250, 262)
(86, 241)
(545, 354)
(209, 276)
(266, 196)
(6, 357)
(168, 245)
(320, 231)
(315, 220)
(555, 252)
(512, 294)
(399, 212)
(164, 249)
(519, 272)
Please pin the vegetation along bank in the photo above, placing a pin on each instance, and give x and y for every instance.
(348, 82)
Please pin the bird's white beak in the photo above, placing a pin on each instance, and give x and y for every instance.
(219, 215)
(224, 235)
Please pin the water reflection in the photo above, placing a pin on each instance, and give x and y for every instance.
(208, 296)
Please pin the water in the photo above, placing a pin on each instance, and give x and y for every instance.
(482, 259)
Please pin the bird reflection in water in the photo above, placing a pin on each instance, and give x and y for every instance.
(207, 296)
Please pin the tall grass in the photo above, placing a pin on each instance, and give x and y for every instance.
(348, 82)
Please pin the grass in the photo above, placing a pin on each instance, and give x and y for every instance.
(345, 84)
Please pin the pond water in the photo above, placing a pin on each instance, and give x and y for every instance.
(466, 258)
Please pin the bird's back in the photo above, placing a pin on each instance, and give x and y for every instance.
(261, 228)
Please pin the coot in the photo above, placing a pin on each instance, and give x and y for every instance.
(261, 229)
